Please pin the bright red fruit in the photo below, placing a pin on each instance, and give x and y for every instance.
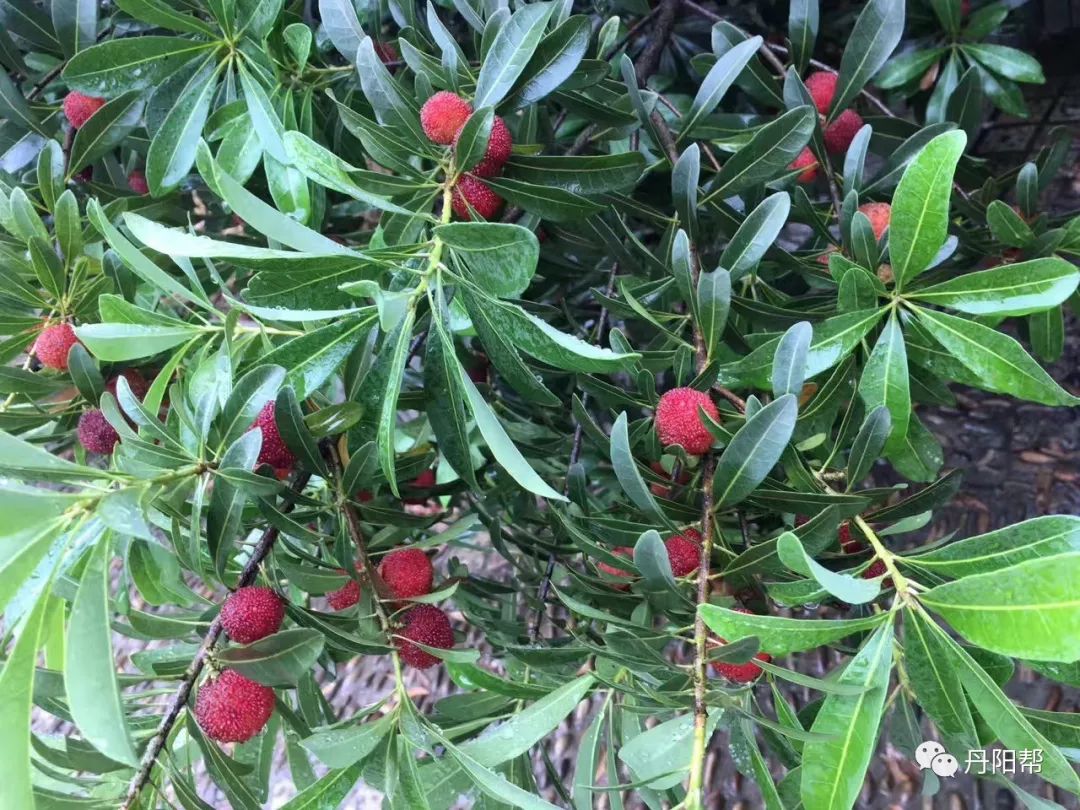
(252, 613)
(95, 432)
(346, 596)
(78, 107)
(740, 673)
(622, 573)
(808, 163)
(879, 214)
(273, 451)
(683, 554)
(443, 115)
(677, 420)
(470, 191)
(137, 182)
(427, 625)
(232, 708)
(822, 87)
(407, 572)
(497, 152)
(53, 344)
(840, 133)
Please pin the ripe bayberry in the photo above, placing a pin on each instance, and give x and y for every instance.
(346, 596)
(822, 88)
(677, 420)
(879, 214)
(739, 673)
(613, 571)
(498, 150)
(79, 107)
(274, 450)
(252, 613)
(137, 182)
(232, 708)
(809, 165)
(427, 625)
(661, 490)
(95, 432)
(407, 572)
(53, 344)
(471, 191)
(443, 115)
(684, 553)
(138, 384)
(841, 132)
(424, 481)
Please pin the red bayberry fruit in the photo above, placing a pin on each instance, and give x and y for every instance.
(965, 7)
(822, 88)
(470, 191)
(683, 553)
(364, 496)
(137, 182)
(424, 481)
(95, 432)
(443, 115)
(614, 571)
(53, 344)
(387, 52)
(344, 597)
(85, 176)
(79, 107)
(478, 371)
(808, 163)
(407, 572)
(840, 133)
(273, 451)
(252, 613)
(693, 535)
(427, 625)
(848, 544)
(497, 152)
(677, 420)
(879, 214)
(138, 384)
(739, 673)
(877, 568)
(232, 708)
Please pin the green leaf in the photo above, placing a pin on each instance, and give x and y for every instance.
(163, 16)
(587, 759)
(1007, 62)
(472, 141)
(555, 204)
(105, 130)
(251, 392)
(768, 154)
(1007, 226)
(345, 746)
(280, 659)
(342, 27)
(803, 20)
(1028, 610)
(116, 342)
(936, 682)
(754, 451)
(310, 359)
(227, 500)
(397, 349)
(833, 771)
(789, 362)
(850, 589)
(555, 60)
(885, 381)
(22, 459)
(501, 258)
(20, 553)
(446, 413)
(713, 305)
(93, 693)
(779, 635)
(622, 461)
(999, 362)
(172, 151)
(329, 792)
(756, 234)
(716, 83)
(651, 559)
(511, 50)
(920, 207)
(581, 175)
(877, 31)
(75, 23)
(868, 444)
(1013, 289)
(660, 756)
(116, 66)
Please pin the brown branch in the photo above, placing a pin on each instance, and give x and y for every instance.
(195, 668)
(614, 49)
(649, 60)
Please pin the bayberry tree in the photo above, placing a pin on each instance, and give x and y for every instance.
(581, 356)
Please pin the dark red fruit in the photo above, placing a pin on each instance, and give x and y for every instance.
(677, 420)
(232, 708)
(822, 87)
(470, 191)
(841, 132)
(252, 613)
(848, 544)
(138, 384)
(683, 553)
(427, 625)
(53, 344)
(137, 182)
(443, 115)
(407, 572)
(661, 490)
(739, 673)
(95, 432)
(387, 52)
(497, 152)
(79, 108)
(424, 481)
(273, 451)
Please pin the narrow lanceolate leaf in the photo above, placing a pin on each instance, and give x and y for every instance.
(1014, 289)
(755, 235)
(556, 58)
(779, 635)
(767, 155)
(105, 130)
(172, 151)
(876, 33)
(342, 26)
(280, 659)
(920, 207)
(442, 383)
(1007, 723)
(622, 460)
(720, 77)
(511, 51)
(1037, 538)
(397, 346)
(713, 305)
(330, 791)
(846, 587)
(833, 771)
(885, 381)
(227, 500)
(868, 444)
(803, 20)
(789, 362)
(936, 682)
(754, 451)
(587, 759)
(90, 682)
(1029, 610)
(999, 363)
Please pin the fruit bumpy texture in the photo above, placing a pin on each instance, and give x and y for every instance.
(346, 596)
(252, 613)
(79, 108)
(95, 432)
(879, 214)
(427, 625)
(138, 384)
(443, 115)
(683, 553)
(678, 422)
(471, 191)
(841, 132)
(233, 708)
(53, 344)
(273, 451)
(407, 572)
(740, 673)
(822, 88)
(498, 150)
(808, 163)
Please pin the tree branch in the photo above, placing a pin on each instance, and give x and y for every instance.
(195, 668)
(649, 60)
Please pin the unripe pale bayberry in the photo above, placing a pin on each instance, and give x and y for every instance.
(407, 572)
(137, 182)
(683, 553)
(427, 625)
(739, 673)
(232, 708)
(274, 450)
(497, 152)
(471, 191)
(677, 420)
(95, 432)
(138, 384)
(252, 613)
(841, 132)
(613, 571)
(822, 89)
(808, 163)
(443, 115)
(879, 214)
(78, 107)
(53, 344)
